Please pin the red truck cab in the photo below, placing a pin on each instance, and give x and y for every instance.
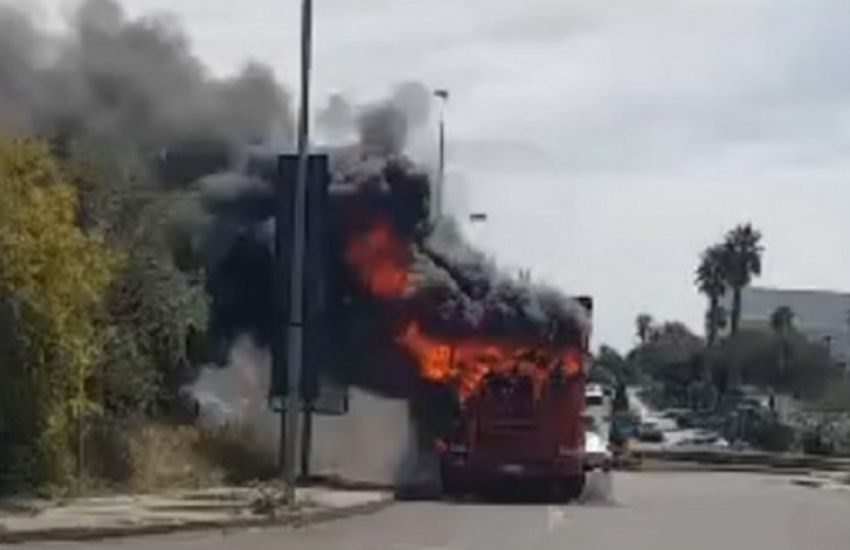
(504, 432)
(518, 427)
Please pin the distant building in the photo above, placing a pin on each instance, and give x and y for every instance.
(822, 316)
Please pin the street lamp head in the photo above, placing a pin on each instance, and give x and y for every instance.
(442, 94)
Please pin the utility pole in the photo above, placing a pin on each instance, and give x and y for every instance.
(295, 332)
(439, 190)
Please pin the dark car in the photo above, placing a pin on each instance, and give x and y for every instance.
(649, 432)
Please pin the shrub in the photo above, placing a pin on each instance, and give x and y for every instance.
(52, 280)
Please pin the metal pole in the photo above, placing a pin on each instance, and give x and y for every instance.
(439, 190)
(306, 440)
(441, 177)
(296, 291)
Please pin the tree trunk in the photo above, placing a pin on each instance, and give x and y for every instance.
(783, 355)
(736, 310)
(712, 320)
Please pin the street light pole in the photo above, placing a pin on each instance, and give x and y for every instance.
(295, 332)
(441, 166)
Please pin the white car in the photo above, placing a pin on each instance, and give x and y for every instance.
(704, 438)
(597, 456)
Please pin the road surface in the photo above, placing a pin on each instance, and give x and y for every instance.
(651, 511)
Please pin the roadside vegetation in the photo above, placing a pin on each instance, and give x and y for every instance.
(104, 310)
(97, 325)
(769, 387)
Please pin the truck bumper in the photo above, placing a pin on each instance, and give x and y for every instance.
(477, 470)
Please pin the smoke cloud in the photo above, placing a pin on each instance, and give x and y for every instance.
(115, 80)
(131, 80)
(235, 398)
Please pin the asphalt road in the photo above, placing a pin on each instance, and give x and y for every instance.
(649, 511)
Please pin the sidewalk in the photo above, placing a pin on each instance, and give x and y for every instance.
(223, 508)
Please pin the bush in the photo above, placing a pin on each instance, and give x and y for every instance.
(772, 436)
(53, 277)
(815, 441)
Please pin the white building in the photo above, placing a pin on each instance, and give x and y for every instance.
(822, 316)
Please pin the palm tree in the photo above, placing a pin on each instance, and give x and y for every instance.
(742, 252)
(716, 318)
(711, 281)
(644, 323)
(782, 322)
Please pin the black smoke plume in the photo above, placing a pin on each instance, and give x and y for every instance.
(131, 81)
(133, 87)
(455, 292)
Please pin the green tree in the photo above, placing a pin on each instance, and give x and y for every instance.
(644, 324)
(742, 260)
(600, 374)
(53, 277)
(622, 370)
(751, 354)
(156, 313)
(674, 358)
(711, 281)
(156, 316)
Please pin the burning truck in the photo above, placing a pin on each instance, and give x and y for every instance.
(497, 364)
(520, 417)
(491, 365)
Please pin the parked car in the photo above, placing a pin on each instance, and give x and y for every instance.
(704, 438)
(649, 432)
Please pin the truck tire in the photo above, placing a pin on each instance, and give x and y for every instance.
(451, 486)
(572, 487)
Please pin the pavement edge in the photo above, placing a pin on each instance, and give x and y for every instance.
(294, 520)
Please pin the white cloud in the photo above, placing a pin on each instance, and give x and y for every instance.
(610, 141)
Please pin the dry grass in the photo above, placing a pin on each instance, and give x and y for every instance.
(162, 457)
(238, 453)
(170, 457)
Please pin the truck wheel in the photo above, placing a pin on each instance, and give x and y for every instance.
(572, 487)
(451, 486)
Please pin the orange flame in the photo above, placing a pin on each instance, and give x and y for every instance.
(466, 364)
(380, 260)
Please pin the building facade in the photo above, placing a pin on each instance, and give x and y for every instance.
(822, 316)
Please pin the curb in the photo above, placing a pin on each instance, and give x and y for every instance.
(335, 482)
(297, 520)
(808, 482)
(656, 465)
(788, 462)
(821, 484)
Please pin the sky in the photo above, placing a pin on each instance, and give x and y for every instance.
(608, 142)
